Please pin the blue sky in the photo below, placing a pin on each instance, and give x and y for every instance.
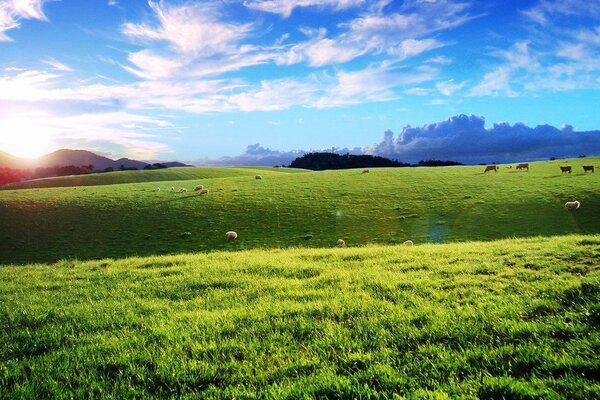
(201, 80)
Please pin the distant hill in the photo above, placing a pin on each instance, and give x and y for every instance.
(174, 164)
(10, 161)
(77, 158)
(84, 157)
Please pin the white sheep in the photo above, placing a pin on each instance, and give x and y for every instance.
(203, 191)
(258, 177)
(157, 189)
(172, 188)
(572, 205)
(183, 190)
(341, 243)
(231, 235)
(365, 171)
(408, 243)
(199, 187)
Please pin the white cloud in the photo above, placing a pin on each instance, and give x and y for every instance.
(546, 10)
(560, 55)
(418, 91)
(13, 11)
(191, 29)
(440, 60)
(396, 34)
(57, 65)
(495, 83)
(517, 59)
(286, 7)
(151, 66)
(373, 84)
(448, 88)
(413, 47)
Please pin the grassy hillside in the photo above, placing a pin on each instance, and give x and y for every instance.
(514, 319)
(305, 209)
(157, 175)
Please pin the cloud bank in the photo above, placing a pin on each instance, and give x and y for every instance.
(460, 138)
(464, 138)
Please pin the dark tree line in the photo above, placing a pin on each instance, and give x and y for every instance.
(323, 161)
(8, 175)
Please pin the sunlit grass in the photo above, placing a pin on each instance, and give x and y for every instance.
(308, 209)
(514, 319)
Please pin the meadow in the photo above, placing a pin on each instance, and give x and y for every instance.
(285, 209)
(511, 319)
(110, 289)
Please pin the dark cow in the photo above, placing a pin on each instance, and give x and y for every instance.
(491, 168)
(565, 170)
(523, 166)
(587, 168)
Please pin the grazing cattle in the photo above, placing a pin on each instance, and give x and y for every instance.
(365, 171)
(523, 166)
(491, 168)
(587, 168)
(565, 170)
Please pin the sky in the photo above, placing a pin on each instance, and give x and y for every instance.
(249, 81)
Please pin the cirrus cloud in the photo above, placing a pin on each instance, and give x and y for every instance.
(13, 11)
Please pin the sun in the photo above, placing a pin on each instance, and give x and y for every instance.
(24, 137)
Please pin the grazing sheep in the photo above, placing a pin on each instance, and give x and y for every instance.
(523, 166)
(587, 168)
(572, 205)
(203, 191)
(565, 170)
(199, 187)
(258, 177)
(172, 188)
(408, 243)
(341, 243)
(157, 189)
(183, 190)
(231, 235)
(365, 171)
(491, 168)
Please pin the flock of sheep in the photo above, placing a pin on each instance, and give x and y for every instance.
(232, 235)
(199, 188)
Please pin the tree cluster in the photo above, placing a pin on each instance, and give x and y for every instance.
(323, 161)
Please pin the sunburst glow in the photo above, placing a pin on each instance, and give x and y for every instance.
(23, 137)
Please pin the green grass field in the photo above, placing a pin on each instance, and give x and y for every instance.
(157, 175)
(109, 289)
(307, 209)
(512, 319)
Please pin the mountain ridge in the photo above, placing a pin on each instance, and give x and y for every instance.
(74, 157)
